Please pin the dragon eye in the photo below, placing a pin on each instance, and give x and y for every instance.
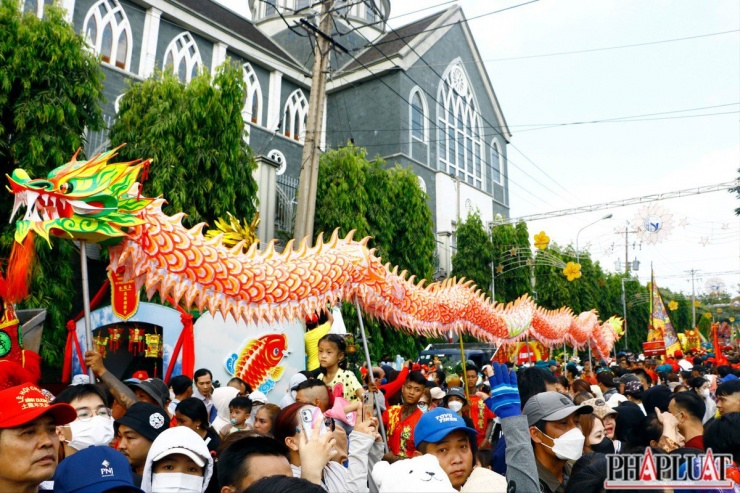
(65, 187)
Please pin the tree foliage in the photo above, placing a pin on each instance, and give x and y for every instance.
(511, 252)
(388, 205)
(50, 92)
(474, 253)
(194, 134)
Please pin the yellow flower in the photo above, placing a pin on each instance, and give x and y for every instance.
(499, 269)
(572, 271)
(732, 319)
(719, 310)
(541, 240)
(673, 305)
(697, 303)
(708, 315)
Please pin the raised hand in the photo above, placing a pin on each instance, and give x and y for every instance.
(504, 400)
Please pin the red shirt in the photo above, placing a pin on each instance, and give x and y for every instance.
(480, 415)
(400, 432)
(696, 442)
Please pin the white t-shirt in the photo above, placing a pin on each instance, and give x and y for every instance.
(685, 364)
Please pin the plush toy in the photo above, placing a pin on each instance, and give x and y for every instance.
(421, 473)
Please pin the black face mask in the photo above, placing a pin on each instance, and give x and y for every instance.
(605, 446)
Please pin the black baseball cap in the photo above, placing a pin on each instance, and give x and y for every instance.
(155, 388)
(146, 419)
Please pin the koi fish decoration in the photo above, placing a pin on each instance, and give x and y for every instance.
(257, 362)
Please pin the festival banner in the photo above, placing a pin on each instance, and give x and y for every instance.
(661, 326)
(124, 295)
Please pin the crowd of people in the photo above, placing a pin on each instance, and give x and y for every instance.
(546, 427)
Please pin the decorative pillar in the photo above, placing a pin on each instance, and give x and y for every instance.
(274, 109)
(265, 176)
(148, 58)
(219, 56)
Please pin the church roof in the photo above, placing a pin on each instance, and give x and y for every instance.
(237, 24)
(393, 42)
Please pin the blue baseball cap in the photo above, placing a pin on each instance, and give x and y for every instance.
(94, 470)
(728, 378)
(437, 424)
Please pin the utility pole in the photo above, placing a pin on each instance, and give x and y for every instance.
(306, 209)
(693, 299)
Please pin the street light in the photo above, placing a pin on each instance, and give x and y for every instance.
(578, 253)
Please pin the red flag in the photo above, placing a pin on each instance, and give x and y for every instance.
(719, 358)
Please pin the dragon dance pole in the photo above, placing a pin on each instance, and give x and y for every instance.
(86, 304)
(370, 370)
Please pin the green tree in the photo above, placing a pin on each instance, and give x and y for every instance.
(512, 261)
(50, 91)
(413, 242)
(194, 134)
(474, 253)
(341, 197)
(388, 205)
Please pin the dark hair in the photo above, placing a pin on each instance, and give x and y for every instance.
(440, 375)
(685, 375)
(283, 484)
(416, 377)
(640, 372)
(233, 462)
(241, 382)
(180, 384)
(728, 388)
(485, 457)
(202, 373)
(680, 388)
(286, 422)
(241, 403)
(606, 378)
(647, 429)
(195, 409)
(588, 474)
(695, 383)
(74, 392)
(341, 347)
(469, 367)
(724, 370)
(657, 396)
(564, 382)
(690, 402)
(572, 369)
(532, 381)
(309, 384)
(722, 435)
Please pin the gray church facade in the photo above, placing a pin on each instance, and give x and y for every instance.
(417, 95)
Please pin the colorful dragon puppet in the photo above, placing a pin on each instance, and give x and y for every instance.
(100, 202)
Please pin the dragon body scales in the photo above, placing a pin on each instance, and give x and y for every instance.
(99, 201)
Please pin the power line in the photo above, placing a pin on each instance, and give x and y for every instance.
(606, 48)
(373, 45)
(433, 98)
(622, 203)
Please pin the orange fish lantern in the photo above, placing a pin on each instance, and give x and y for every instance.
(257, 363)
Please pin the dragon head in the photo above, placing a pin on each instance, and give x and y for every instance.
(92, 200)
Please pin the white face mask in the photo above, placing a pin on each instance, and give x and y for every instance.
(568, 446)
(423, 407)
(705, 392)
(176, 482)
(97, 430)
(455, 406)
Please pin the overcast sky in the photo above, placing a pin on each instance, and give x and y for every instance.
(579, 165)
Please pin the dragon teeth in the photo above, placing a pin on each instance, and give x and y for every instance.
(19, 199)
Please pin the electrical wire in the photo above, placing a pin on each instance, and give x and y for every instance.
(446, 25)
